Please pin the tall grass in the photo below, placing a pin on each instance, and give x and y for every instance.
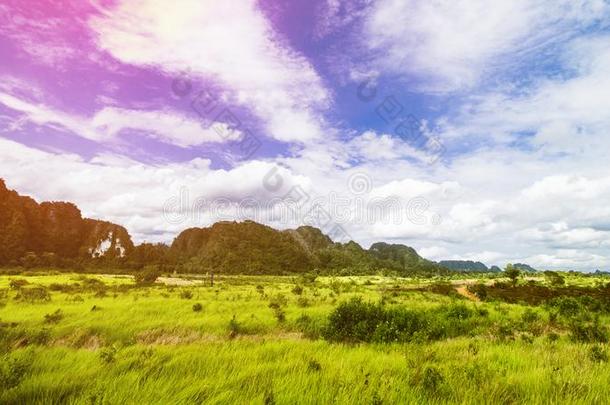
(138, 345)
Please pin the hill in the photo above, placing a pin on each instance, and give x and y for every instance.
(526, 268)
(464, 265)
(52, 232)
(251, 248)
(55, 234)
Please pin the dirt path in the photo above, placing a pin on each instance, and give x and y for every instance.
(463, 290)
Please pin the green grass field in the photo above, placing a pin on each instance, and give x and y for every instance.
(68, 338)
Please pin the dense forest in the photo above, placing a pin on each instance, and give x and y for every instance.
(54, 234)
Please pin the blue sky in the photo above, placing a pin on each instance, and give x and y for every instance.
(487, 123)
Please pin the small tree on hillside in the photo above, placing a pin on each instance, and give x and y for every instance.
(554, 278)
(513, 273)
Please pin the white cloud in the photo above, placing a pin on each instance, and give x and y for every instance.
(108, 123)
(446, 45)
(563, 115)
(231, 42)
(163, 125)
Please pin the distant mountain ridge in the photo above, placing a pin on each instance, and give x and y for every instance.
(464, 265)
(472, 266)
(49, 233)
(526, 268)
(251, 248)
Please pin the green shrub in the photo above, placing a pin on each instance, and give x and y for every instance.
(479, 290)
(234, 327)
(358, 321)
(108, 354)
(314, 365)
(589, 332)
(303, 302)
(459, 311)
(33, 294)
(147, 276)
(553, 337)
(269, 398)
(354, 321)
(186, 294)
(278, 312)
(530, 316)
(197, 307)
(432, 379)
(278, 300)
(12, 371)
(18, 283)
(598, 354)
(55, 317)
(297, 290)
(566, 306)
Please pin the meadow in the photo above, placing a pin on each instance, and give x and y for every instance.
(105, 339)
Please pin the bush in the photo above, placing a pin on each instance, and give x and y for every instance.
(598, 354)
(303, 302)
(278, 300)
(108, 354)
(234, 327)
(12, 372)
(186, 294)
(432, 379)
(278, 312)
(589, 332)
(297, 290)
(566, 306)
(33, 294)
(18, 283)
(197, 307)
(358, 321)
(354, 321)
(314, 365)
(148, 276)
(459, 311)
(479, 290)
(553, 337)
(55, 317)
(529, 316)
(554, 278)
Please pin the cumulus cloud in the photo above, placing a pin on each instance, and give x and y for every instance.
(231, 42)
(451, 45)
(559, 115)
(108, 123)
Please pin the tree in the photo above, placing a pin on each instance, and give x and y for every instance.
(554, 278)
(513, 273)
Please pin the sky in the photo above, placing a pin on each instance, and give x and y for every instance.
(469, 130)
